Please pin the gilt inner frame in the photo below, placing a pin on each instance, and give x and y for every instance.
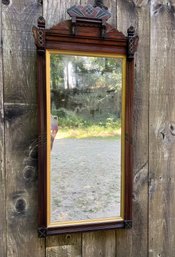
(48, 125)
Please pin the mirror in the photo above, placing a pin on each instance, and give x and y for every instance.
(85, 106)
(85, 70)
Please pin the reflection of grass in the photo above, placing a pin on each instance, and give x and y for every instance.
(93, 131)
(71, 125)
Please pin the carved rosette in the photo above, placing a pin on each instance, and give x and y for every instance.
(132, 42)
(128, 224)
(42, 232)
(39, 33)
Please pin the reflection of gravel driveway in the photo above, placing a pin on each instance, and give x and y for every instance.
(85, 179)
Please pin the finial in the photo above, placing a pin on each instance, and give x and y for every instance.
(41, 22)
(131, 31)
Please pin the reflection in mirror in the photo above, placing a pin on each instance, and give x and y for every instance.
(86, 117)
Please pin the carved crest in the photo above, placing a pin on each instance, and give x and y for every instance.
(98, 11)
(92, 16)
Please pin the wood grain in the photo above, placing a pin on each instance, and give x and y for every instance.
(162, 136)
(99, 244)
(55, 11)
(64, 246)
(2, 166)
(135, 240)
(20, 128)
(18, 19)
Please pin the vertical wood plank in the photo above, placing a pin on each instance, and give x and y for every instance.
(112, 6)
(162, 127)
(64, 246)
(2, 167)
(20, 128)
(54, 11)
(133, 242)
(99, 244)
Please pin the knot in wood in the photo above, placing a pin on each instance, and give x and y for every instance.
(29, 174)
(20, 205)
(99, 3)
(6, 2)
(40, 2)
(68, 237)
(167, 132)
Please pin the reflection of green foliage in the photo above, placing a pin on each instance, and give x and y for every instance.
(86, 91)
(68, 119)
(100, 72)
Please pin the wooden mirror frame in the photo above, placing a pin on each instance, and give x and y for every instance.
(84, 33)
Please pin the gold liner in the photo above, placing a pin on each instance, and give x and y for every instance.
(123, 138)
(90, 221)
(81, 222)
(48, 133)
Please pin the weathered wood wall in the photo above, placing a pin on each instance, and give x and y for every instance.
(153, 233)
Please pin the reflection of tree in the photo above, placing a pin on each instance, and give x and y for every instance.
(91, 101)
(85, 72)
(57, 71)
(86, 83)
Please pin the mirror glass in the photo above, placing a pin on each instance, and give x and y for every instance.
(86, 109)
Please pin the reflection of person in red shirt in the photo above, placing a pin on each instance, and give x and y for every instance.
(54, 128)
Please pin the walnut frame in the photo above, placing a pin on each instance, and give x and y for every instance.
(74, 35)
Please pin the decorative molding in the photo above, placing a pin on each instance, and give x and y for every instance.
(89, 11)
(132, 42)
(89, 16)
(42, 232)
(128, 224)
(39, 33)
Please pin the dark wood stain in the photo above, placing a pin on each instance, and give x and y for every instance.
(89, 35)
